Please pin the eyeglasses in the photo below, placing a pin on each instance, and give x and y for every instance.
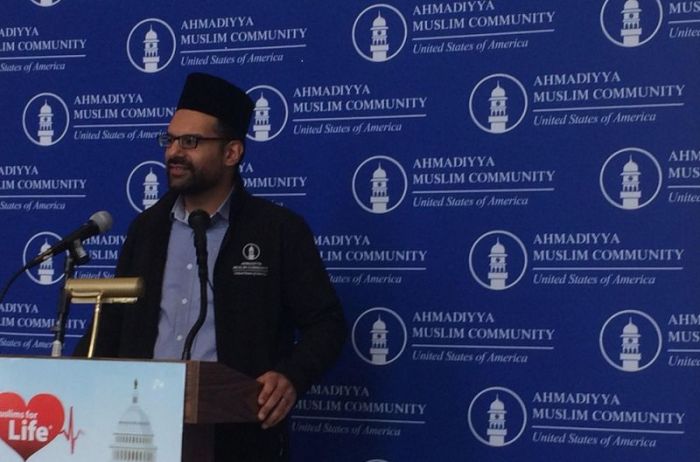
(165, 140)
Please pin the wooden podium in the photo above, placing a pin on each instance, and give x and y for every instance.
(82, 400)
(214, 393)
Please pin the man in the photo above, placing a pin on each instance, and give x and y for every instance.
(267, 282)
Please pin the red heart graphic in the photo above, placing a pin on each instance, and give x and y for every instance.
(28, 428)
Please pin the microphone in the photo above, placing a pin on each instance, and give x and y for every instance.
(199, 221)
(98, 223)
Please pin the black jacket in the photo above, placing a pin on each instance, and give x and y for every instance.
(260, 304)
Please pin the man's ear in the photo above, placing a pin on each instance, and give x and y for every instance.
(233, 153)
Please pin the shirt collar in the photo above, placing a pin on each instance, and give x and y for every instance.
(179, 213)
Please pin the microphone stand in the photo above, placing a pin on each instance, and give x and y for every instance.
(199, 220)
(76, 256)
(186, 353)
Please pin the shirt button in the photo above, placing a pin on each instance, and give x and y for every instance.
(184, 301)
(179, 338)
(189, 266)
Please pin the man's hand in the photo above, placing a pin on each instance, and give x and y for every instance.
(276, 398)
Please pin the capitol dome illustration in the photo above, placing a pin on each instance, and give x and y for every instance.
(133, 439)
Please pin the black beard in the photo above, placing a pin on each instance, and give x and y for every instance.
(192, 186)
(195, 184)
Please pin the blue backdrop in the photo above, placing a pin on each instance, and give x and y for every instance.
(505, 195)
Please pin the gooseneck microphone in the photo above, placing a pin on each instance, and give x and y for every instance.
(100, 222)
(199, 221)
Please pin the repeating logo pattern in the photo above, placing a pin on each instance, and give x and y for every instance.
(485, 68)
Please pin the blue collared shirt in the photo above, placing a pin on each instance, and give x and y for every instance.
(179, 306)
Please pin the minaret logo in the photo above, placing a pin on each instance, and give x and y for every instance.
(151, 45)
(630, 340)
(379, 349)
(46, 271)
(151, 57)
(150, 189)
(380, 40)
(498, 103)
(251, 251)
(493, 256)
(45, 119)
(630, 193)
(631, 178)
(261, 126)
(630, 356)
(45, 133)
(380, 190)
(45, 3)
(498, 275)
(145, 184)
(631, 23)
(379, 184)
(497, 416)
(49, 271)
(271, 113)
(497, 423)
(379, 336)
(379, 33)
(498, 117)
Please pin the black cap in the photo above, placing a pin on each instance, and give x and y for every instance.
(219, 98)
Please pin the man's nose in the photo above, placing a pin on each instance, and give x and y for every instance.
(173, 149)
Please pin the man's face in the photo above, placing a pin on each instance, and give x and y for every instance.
(192, 171)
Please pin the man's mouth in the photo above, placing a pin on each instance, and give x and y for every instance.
(178, 168)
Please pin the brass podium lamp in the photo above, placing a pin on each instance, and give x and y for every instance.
(99, 291)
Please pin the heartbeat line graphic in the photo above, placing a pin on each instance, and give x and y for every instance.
(68, 432)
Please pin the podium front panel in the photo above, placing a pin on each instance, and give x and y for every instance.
(58, 410)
